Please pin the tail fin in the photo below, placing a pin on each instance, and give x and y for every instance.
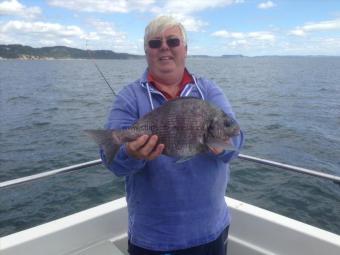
(105, 139)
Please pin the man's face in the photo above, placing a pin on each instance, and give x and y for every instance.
(166, 59)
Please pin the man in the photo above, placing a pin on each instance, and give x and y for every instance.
(174, 208)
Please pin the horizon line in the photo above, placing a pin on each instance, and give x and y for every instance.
(189, 55)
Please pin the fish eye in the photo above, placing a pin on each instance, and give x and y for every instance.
(211, 131)
(229, 122)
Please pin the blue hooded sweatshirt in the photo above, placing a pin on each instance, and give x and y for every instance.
(171, 205)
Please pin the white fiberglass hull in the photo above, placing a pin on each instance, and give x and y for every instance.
(102, 230)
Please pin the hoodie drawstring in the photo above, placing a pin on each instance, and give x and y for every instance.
(150, 98)
(199, 90)
(186, 94)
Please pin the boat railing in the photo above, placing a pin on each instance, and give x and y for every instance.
(77, 167)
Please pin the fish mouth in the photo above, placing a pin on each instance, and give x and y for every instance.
(237, 132)
(227, 142)
(223, 143)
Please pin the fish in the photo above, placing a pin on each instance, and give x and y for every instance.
(186, 126)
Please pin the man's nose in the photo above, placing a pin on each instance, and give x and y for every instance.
(164, 44)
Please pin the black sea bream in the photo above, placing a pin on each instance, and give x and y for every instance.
(186, 126)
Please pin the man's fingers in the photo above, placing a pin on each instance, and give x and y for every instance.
(149, 146)
(138, 143)
(158, 151)
(145, 147)
(133, 147)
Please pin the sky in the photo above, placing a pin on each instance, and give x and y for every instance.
(214, 27)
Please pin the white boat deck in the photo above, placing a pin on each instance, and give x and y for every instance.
(102, 231)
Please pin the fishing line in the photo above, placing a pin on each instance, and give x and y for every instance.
(100, 72)
(106, 81)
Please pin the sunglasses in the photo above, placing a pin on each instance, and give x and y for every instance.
(157, 43)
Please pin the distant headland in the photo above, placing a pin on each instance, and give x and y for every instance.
(18, 51)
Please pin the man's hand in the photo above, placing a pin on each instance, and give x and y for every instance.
(145, 147)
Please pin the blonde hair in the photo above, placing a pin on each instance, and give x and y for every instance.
(161, 23)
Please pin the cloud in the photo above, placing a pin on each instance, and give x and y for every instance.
(124, 6)
(312, 46)
(277, 43)
(297, 32)
(5, 39)
(266, 5)
(38, 34)
(107, 36)
(316, 27)
(44, 29)
(41, 33)
(184, 10)
(14, 8)
(190, 23)
(246, 43)
(192, 6)
(103, 6)
(258, 36)
(107, 29)
(262, 36)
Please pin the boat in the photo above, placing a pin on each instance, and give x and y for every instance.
(102, 229)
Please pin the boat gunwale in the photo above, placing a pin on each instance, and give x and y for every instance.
(239, 210)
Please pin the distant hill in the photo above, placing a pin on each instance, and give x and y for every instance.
(17, 51)
(200, 56)
(232, 56)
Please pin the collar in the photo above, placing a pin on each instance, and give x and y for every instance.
(187, 78)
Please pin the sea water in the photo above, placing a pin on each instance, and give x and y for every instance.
(288, 108)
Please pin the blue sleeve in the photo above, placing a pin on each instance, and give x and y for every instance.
(123, 115)
(216, 97)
